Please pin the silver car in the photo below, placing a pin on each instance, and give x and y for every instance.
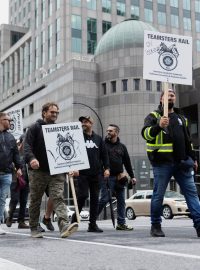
(139, 204)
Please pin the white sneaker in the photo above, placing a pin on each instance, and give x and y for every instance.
(2, 232)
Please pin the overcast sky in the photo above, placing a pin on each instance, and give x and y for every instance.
(4, 11)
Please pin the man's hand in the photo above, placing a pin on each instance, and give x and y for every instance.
(34, 164)
(164, 122)
(133, 181)
(106, 173)
(19, 172)
(74, 173)
(195, 166)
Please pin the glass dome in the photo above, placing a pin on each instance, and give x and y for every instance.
(127, 34)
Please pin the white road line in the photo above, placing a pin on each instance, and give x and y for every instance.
(162, 252)
(8, 265)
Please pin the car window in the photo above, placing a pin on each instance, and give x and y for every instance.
(149, 195)
(139, 196)
(173, 194)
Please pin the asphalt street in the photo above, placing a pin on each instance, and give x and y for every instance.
(110, 250)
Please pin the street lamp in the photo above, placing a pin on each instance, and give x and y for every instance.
(78, 103)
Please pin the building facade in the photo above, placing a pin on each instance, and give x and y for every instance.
(89, 52)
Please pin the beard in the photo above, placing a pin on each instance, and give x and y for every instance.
(170, 105)
(108, 137)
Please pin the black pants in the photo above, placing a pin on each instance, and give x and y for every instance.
(20, 197)
(88, 184)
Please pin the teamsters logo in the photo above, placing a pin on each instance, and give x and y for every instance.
(66, 147)
(168, 56)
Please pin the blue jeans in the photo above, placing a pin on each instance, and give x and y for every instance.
(120, 196)
(5, 182)
(185, 179)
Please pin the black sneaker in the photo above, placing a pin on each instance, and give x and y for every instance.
(23, 225)
(73, 218)
(39, 227)
(94, 228)
(48, 224)
(156, 231)
(9, 222)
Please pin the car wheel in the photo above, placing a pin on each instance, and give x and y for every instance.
(167, 212)
(130, 214)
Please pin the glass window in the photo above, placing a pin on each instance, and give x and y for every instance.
(148, 85)
(50, 8)
(50, 46)
(135, 2)
(76, 22)
(148, 5)
(162, 18)
(139, 195)
(135, 12)
(91, 4)
(91, 35)
(161, 2)
(174, 3)
(104, 88)
(174, 21)
(76, 32)
(58, 42)
(106, 6)
(113, 87)
(197, 23)
(106, 26)
(198, 45)
(159, 86)
(57, 4)
(197, 6)
(76, 3)
(136, 83)
(187, 24)
(148, 14)
(121, 9)
(42, 12)
(31, 109)
(124, 85)
(186, 4)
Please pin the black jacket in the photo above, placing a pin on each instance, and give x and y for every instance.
(156, 156)
(118, 156)
(97, 154)
(34, 145)
(9, 153)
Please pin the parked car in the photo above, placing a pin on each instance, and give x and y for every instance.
(15, 216)
(139, 204)
(84, 214)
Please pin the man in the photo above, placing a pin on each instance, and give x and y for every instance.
(170, 153)
(118, 157)
(89, 179)
(40, 178)
(9, 154)
(19, 195)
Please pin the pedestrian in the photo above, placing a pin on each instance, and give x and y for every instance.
(40, 178)
(170, 153)
(89, 179)
(9, 154)
(19, 195)
(118, 158)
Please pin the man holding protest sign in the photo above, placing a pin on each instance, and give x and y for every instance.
(40, 178)
(170, 153)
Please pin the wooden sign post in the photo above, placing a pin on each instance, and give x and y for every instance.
(166, 87)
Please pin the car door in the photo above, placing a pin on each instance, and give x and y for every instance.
(138, 203)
